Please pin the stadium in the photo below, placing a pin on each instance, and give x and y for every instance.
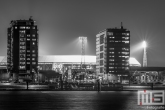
(51, 67)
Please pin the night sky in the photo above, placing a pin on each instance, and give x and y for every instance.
(61, 22)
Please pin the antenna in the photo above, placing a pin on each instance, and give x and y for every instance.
(121, 25)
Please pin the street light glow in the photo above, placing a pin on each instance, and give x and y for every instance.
(144, 44)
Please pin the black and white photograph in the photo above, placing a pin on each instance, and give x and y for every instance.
(82, 54)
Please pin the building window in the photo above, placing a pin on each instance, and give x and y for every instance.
(33, 59)
(22, 47)
(15, 27)
(33, 51)
(22, 51)
(22, 55)
(112, 37)
(22, 63)
(126, 42)
(111, 41)
(111, 52)
(33, 63)
(28, 58)
(33, 27)
(110, 33)
(111, 67)
(22, 59)
(102, 39)
(33, 39)
(101, 55)
(22, 43)
(22, 67)
(33, 43)
(28, 55)
(22, 39)
(111, 48)
(101, 62)
(111, 59)
(111, 63)
(33, 55)
(22, 27)
(27, 27)
(101, 48)
(28, 62)
(28, 39)
(28, 50)
(126, 38)
(33, 35)
(28, 35)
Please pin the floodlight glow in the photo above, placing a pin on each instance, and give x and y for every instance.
(82, 39)
(144, 44)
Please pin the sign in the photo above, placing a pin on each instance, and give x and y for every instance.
(151, 97)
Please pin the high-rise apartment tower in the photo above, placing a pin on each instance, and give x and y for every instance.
(22, 49)
(113, 53)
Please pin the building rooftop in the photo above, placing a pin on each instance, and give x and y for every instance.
(69, 59)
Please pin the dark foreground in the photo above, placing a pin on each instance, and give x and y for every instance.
(69, 100)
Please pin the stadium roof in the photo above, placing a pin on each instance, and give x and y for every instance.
(70, 59)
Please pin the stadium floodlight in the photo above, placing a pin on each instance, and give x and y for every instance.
(144, 44)
(144, 55)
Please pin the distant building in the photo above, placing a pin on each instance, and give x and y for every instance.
(22, 49)
(113, 53)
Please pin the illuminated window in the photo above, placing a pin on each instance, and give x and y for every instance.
(22, 67)
(28, 35)
(15, 27)
(33, 27)
(33, 39)
(22, 43)
(22, 51)
(33, 63)
(126, 38)
(33, 55)
(22, 63)
(127, 34)
(111, 63)
(28, 55)
(111, 48)
(110, 33)
(33, 51)
(111, 52)
(111, 41)
(22, 58)
(28, 62)
(111, 59)
(28, 39)
(22, 27)
(111, 67)
(22, 55)
(33, 43)
(27, 27)
(22, 39)
(28, 50)
(33, 59)
(22, 47)
(126, 41)
(28, 58)
(33, 35)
